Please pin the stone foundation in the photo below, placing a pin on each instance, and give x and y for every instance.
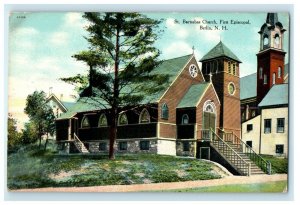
(180, 148)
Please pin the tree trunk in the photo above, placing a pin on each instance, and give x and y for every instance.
(113, 134)
(46, 142)
(115, 103)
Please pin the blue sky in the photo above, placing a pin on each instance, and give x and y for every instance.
(41, 45)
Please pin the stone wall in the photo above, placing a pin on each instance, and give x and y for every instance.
(133, 146)
(180, 148)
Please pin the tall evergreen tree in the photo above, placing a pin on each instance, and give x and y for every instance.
(120, 58)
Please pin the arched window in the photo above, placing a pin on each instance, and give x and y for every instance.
(273, 78)
(144, 116)
(266, 40)
(260, 73)
(122, 119)
(85, 122)
(233, 69)
(265, 79)
(164, 111)
(279, 72)
(102, 120)
(185, 119)
(277, 40)
(229, 67)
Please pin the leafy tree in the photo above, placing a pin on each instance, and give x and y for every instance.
(14, 137)
(120, 58)
(40, 114)
(29, 133)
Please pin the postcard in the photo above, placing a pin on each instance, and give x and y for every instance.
(160, 102)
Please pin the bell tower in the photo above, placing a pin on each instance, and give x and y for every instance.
(270, 58)
(221, 66)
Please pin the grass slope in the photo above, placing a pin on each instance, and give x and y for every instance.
(31, 168)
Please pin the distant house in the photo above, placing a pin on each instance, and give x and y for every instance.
(58, 106)
(267, 133)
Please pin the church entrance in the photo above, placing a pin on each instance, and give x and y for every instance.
(209, 120)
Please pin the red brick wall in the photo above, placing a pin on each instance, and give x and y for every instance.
(167, 130)
(175, 93)
(269, 60)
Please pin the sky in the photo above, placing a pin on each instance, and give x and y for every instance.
(41, 45)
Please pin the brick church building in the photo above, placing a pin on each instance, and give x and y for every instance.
(197, 115)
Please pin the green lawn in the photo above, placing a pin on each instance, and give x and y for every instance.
(246, 188)
(30, 168)
(279, 165)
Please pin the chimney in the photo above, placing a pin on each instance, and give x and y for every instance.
(50, 90)
(61, 97)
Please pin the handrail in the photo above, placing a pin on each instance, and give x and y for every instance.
(258, 160)
(80, 143)
(240, 166)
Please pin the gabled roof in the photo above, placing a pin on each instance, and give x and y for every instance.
(277, 95)
(193, 95)
(58, 102)
(248, 86)
(171, 67)
(220, 50)
(84, 104)
(68, 105)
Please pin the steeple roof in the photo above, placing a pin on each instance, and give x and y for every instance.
(272, 18)
(220, 50)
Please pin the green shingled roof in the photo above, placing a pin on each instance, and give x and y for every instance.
(248, 86)
(193, 95)
(82, 105)
(172, 67)
(277, 95)
(218, 51)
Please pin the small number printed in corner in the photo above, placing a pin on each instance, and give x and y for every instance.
(21, 17)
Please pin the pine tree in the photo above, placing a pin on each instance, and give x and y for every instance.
(121, 58)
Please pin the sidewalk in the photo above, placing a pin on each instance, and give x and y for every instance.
(165, 186)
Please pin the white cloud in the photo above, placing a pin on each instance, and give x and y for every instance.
(180, 48)
(24, 31)
(177, 29)
(75, 19)
(59, 38)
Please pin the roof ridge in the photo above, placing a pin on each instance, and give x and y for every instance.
(177, 57)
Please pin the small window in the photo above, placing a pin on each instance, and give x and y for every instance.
(265, 79)
(260, 73)
(185, 119)
(85, 122)
(253, 113)
(122, 119)
(249, 143)
(274, 79)
(164, 111)
(279, 72)
(280, 125)
(249, 127)
(279, 149)
(229, 67)
(233, 69)
(267, 126)
(122, 145)
(243, 116)
(102, 120)
(186, 146)
(144, 145)
(144, 116)
(102, 146)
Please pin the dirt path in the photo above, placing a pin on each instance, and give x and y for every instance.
(165, 186)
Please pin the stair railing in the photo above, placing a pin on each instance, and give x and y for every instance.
(243, 147)
(240, 164)
(78, 143)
